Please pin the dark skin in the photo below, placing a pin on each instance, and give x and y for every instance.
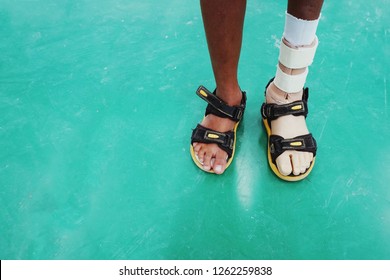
(223, 22)
(305, 9)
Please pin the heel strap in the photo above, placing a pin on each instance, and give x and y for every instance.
(219, 108)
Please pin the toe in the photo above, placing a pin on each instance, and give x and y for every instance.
(196, 147)
(308, 159)
(303, 162)
(198, 150)
(200, 155)
(283, 163)
(219, 164)
(207, 162)
(296, 165)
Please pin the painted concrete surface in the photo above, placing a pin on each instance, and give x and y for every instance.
(97, 103)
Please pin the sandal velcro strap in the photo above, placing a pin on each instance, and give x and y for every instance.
(298, 108)
(274, 111)
(224, 140)
(219, 108)
(303, 143)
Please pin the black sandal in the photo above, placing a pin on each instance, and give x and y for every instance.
(225, 140)
(277, 144)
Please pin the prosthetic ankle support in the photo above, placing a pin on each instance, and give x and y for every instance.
(297, 54)
(294, 58)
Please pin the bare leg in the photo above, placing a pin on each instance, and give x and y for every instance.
(305, 9)
(223, 22)
(292, 126)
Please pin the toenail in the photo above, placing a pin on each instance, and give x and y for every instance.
(218, 168)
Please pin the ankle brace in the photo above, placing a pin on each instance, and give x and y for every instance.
(299, 32)
(290, 83)
(298, 57)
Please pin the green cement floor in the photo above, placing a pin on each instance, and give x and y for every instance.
(97, 103)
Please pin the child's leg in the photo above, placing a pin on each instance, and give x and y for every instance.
(223, 22)
(299, 33)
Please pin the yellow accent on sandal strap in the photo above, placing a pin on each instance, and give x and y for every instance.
(213, 136)
(296, 107)
(202, 92)
(296, 144)
(274, 167)
(230, 160)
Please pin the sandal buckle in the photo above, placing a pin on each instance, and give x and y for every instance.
(230, 142)
(239, 112)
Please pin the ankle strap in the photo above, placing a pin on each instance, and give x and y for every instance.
(219, 108)
(298, 108)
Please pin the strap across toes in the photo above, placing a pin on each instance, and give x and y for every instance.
(303, 143)
(225, 140)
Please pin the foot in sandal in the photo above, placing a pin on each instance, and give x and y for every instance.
(213, 141)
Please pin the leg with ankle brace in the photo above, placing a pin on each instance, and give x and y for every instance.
(297, 51)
